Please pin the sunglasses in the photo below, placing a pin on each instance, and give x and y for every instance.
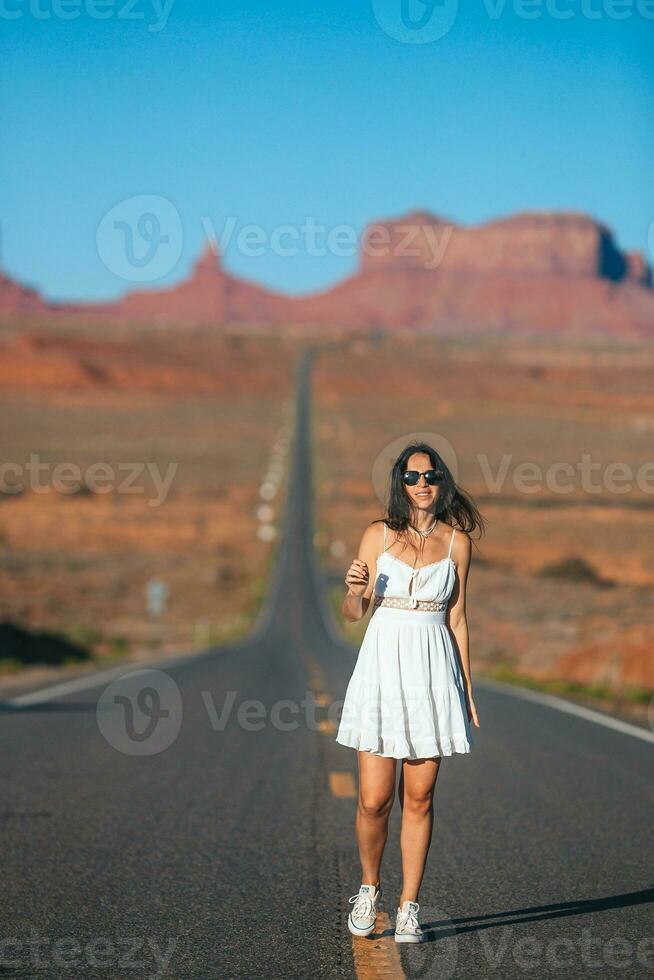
(411, 477)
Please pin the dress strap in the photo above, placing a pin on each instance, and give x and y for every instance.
(451, 542)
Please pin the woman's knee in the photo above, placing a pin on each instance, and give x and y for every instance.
(375, 804)
(418, 802)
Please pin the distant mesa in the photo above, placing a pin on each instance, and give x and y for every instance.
(17, 300)
(532, 272)
(638, 269)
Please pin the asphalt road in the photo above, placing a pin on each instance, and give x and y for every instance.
(187, 823)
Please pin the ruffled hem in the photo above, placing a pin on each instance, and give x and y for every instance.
(399, 747)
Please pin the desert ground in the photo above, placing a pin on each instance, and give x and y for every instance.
(560, 588)
(560, 585)
(186, 425)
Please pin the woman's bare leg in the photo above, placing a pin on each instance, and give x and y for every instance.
(376, 795)
(416, 793)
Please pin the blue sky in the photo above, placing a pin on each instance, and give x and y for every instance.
(272, 113)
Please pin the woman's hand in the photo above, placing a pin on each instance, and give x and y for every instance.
(472, 710)
(357, 577)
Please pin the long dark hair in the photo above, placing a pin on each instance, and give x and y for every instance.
(454, 505)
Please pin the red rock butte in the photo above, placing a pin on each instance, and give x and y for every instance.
(535, 272)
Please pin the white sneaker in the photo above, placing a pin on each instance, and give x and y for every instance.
(361, 920)
(407, 927)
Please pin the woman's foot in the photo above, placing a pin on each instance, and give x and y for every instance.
(407, 927)
(361, 920)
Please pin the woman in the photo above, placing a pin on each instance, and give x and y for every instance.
(410, 694)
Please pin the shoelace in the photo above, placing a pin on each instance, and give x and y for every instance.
(409, 919)
(363, 904)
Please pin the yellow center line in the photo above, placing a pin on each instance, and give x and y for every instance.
(317, 678)
(342, 784)
(318, 683)
(377, 956)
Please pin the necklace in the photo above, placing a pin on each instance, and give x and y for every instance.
(425, 534)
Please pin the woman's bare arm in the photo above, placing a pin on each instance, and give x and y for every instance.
(360, 577)
(457, 620)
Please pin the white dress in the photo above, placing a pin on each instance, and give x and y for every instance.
(406, 696)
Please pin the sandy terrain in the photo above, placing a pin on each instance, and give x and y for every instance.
(186, 429)
(561, 583)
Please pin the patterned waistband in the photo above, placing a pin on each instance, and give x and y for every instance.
(415, 605)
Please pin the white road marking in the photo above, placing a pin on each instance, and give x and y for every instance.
(87, 681)
(569, 707)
